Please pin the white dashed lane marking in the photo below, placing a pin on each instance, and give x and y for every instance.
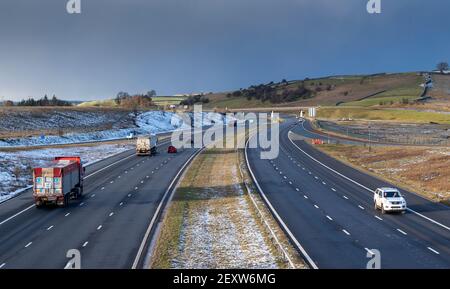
(99, 227)
(379, 218)
(346, 232)
(28, 245)
(333, 189)
(111, 214)
(329, 218)
(432, 250)
(361, 207)
(66, 214)
(2, 265)
(403, 232)
(49, 228)
(345, 197)
(85, 244)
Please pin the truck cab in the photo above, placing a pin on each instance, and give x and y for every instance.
(389, 200)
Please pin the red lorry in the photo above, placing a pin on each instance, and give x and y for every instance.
(58, 181)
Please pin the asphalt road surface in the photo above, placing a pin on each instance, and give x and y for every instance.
(107, 225)
(328, 209)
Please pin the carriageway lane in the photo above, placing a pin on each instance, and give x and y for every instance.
(40, 238)
(335, 231)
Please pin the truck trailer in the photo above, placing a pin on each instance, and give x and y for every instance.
(58, 181)
(146, 145)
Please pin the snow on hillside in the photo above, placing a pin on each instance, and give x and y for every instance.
(67, 119)
(152, 122)
(15, 167)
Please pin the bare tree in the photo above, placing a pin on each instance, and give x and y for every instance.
(442, 66)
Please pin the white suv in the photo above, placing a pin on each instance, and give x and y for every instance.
(389, 199)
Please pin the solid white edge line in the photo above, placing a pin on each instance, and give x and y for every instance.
(274, 212)
(362, 186)
(16, 214)
(158, 209)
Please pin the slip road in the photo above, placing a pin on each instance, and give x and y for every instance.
(327, 208)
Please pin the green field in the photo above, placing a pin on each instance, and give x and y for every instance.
(399, 115)
(157, 100)
(389, 97)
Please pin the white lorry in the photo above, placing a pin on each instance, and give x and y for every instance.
(146, 145)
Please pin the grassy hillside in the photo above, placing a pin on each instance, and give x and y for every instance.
(441, 87)
(350, 90)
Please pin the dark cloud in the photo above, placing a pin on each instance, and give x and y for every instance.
(201, 45)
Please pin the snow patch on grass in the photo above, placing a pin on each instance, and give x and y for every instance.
(15, 167)
(219, 230)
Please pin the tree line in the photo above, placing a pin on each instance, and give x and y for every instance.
(194, 99)
(44, 101)
(135, 101)
(274, 93)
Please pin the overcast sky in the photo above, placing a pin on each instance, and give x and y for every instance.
(177, 46)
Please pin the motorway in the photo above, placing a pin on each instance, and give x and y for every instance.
(107, 225)
(326, 207)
